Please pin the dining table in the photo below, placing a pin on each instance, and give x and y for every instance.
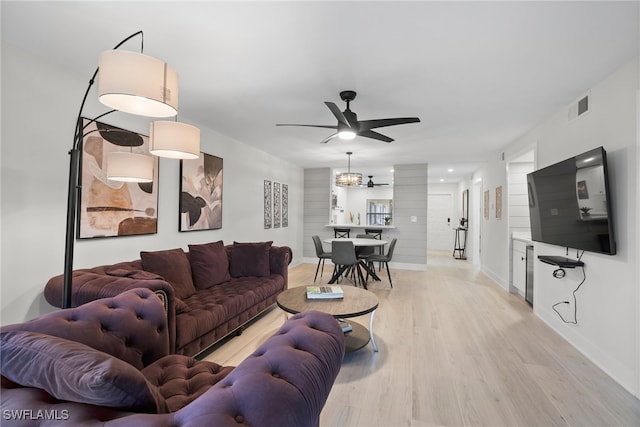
(358, 242)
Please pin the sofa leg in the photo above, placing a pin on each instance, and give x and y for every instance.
(239, 331)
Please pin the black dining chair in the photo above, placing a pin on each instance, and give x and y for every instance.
(363, 252)
(377, 234)
(343, 256)
(383, 258)
(321, 254)
(341, 233)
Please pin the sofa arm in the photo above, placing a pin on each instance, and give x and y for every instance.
(284, 383)
(89, 286)
(279, 260)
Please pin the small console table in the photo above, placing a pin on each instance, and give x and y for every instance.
(460, 243)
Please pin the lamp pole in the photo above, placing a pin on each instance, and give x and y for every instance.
(74, 187)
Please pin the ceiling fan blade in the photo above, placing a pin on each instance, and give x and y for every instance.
(336, 112)
(309, 126)
(371, 124)
(329, 138)
(375, 135)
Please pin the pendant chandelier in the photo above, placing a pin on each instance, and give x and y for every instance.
(349, 179)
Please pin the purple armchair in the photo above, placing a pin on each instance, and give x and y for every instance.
(108, 363)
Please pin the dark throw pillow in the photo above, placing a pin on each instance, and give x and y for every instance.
(173, 265)
(209, 264)
(75, 372)
(250, 259)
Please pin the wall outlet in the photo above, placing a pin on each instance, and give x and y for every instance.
(414, 218)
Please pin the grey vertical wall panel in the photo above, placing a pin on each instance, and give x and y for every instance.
(410, 192)
(317, 205)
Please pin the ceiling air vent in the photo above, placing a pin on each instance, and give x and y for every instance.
(580, 107)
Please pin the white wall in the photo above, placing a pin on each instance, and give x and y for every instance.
(39, 107)
(494, 242)
(608, 329)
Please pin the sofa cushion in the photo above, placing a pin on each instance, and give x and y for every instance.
(133, 274)
(217, 310)
(174, 266)
(181, 306)
(72, 371)
(182, 379)
(250, 259)
(209, 264)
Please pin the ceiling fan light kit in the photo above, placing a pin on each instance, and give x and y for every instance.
(349, 179)
(348, 126)
(371, 184)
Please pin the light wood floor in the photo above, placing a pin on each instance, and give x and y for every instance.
(455, 350)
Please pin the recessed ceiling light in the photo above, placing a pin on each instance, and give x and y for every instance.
(449, 170)
(391, 170)
(441, 179)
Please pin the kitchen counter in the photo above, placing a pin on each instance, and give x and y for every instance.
(373, 227)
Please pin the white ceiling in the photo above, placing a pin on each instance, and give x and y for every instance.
(477, 74)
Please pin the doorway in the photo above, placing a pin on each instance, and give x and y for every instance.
(439, 222)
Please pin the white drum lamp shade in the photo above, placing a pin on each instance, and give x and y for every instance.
(129, 167)
(138, 84)
(174, 140)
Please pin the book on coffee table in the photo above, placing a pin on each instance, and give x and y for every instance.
(346, 326)
(324, 292)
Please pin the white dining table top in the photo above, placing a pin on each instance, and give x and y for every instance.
(358, 241)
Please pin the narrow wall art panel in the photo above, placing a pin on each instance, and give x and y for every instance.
(201, 193)
(285, 205)
(276, 205)
(486, 204)
(112, 208)
(499, 202)
(267, 204)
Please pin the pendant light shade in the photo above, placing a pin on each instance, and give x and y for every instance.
(129, 167)
(138, 84)
(349, 179)
(174, 140)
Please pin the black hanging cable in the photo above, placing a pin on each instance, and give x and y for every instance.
(575, 301)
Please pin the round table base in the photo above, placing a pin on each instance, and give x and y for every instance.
(357, 338)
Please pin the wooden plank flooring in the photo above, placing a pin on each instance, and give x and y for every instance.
(455, 350)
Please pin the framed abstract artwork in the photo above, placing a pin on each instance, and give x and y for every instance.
(112, 208)
(276, 205)
(201, 193)
(285, 205)
(267, 204)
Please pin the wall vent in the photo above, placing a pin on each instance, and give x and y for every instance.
(582, 106)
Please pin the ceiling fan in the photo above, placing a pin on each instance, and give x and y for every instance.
(371, 184)
(349, 127)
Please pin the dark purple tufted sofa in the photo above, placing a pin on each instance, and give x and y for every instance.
(120, 347)
(204, 314)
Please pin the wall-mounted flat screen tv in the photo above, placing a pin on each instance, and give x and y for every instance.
(570, 204)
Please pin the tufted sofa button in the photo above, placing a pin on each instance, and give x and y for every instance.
(239, 419)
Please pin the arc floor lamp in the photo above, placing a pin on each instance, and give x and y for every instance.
(138, 84)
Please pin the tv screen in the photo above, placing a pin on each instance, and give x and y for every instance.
(570, 204)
